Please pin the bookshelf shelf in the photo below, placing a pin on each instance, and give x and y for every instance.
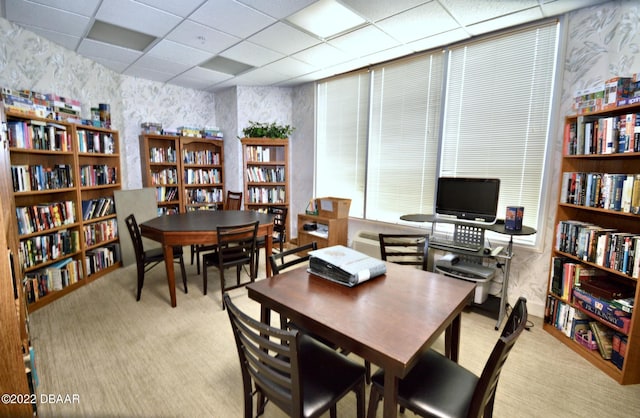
(598, 213)
(266, 173)
(57, 255)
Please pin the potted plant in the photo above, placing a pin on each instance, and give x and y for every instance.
(267, 130)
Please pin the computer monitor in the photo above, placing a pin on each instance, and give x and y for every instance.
(470, 199)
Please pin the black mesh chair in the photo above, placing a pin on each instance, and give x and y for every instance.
(407, 249)
(299, 375)
(236, 247)
(146, 260)
(439, 387)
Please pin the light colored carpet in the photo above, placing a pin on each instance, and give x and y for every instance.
(123, 358)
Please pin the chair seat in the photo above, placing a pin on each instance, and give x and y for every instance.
(326, 375)
(158, 253)
(436, 387)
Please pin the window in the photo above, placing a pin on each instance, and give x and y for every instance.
(383, 140)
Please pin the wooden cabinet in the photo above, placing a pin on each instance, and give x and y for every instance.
(202, 173)
(161, 169)
(329, 219)
(63, 176)
(14, 333)
(266, 172)
(591, 217)
(187, 172)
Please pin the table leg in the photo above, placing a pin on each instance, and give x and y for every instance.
(268, 250)
(390, 396)
(171, 277)
(452, 339)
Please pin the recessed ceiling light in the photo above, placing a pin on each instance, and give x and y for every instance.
(225, 65)
(326, 18)
(116, 35)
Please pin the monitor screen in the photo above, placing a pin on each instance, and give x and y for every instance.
(472, 199)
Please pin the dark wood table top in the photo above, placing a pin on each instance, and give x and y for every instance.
(388, 320)
(205, 220)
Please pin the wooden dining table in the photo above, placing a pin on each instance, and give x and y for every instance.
(389, 320)
(199, 227)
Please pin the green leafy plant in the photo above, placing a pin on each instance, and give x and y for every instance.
(267, 130)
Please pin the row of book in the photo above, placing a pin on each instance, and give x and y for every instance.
(201, 157)
(28, 178)
(55, 277)
(101, 258)
(198, 196)
(266, 174)
(617, 192)
(166, 194)
(202, 176)
(265, 154)
(98, 232)
(97, 208)
(44, 248)
(38, 135)
(266, 195)
(605, 135)
(95, 142)
(44, 216)
(98, 175)
(602, 246)
(162, 155)
(586, 331)
(31, 103)
(165, 176)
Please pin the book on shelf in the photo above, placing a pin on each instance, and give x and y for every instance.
(603, 337)
(618, 349)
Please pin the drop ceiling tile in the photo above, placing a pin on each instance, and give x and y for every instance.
(201, 37)
(182, 8)
(374, 10)
(322, 56)
(251, 54)
(382, 56)
(505, 21)
(278, 9)
(207, 77)
(326, 18)
(91, 48)
(364, 41)
(148, 74)
(557, 7)
(149, 62)
(116, 66)
(284, 39)
(439, 40)
(260, 77)
(420, 22)
(231, 17)
(128, 14)
(81, 7)
(470, 12)
(290, 67)
(46, 17)
(173, 51)
(64, 40)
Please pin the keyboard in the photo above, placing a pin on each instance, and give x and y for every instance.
(465, 246)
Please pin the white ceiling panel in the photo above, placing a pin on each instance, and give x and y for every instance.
(202, 37)
(139, 17)
(258, 33)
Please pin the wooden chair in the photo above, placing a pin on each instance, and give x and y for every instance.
(407, 249)
(146, 260)
(236, 247)
(299, 375)
(439, 387)
(279, 230)
(232, 202)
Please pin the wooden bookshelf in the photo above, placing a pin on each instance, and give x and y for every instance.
(575, 204)
(57, 172)
(266, 172)
(161, 169)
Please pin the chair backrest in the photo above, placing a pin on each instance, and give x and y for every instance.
(407, 249)
(136, 238)
(236, 243)
(279, 220)
(233, 201)
(268, 357)
(484, 395)
(300, 252)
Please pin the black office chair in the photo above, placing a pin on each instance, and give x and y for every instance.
(232, 202)
(439, 387)
(146, 260)
(407, 249)
(236, 247)
(299, 375)
(279, 229)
